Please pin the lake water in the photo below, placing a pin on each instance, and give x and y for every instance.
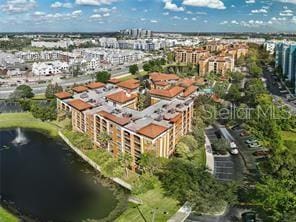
(42, 179)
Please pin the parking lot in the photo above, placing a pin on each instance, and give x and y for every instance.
(228, 167)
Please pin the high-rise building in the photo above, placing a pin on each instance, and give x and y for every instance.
(285, 60)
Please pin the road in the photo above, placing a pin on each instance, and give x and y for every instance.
(40, 88)
(274, 89)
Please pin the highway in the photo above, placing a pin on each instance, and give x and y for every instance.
(40, 88)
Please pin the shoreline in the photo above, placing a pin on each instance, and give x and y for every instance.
(52, 131)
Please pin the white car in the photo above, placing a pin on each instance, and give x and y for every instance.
(233, 149)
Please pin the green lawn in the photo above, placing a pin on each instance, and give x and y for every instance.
(26, 120)
(6, 216)
(143, 73)
(289, 135)
(39, 96)
(153, 201)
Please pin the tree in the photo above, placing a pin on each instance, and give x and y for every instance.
(103, 76)
(22, 92)
(133, 69)
(221, 146)
(255, 70)
(183, 151)
(125, 161)
(186, 182)
(104, 138)
(144, 100)
(44, 112)
(52, 89)
(150, 164)
(234, 94)
(146, 67)
(253, 88)
(236, 77)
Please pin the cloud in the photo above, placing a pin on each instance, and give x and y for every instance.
(258, 11)
(153, 21)
(95, 2)
(250, 1)
(104, 10)
(18, 6)
(169, 5)
(286, 13)
(95, 16)
(61, 5)
(287, 1)
(216, 4)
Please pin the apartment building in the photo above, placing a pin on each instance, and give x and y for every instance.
(220, 64)
(49, 68)
(285, 60)
(190, 55)
(213, 57)
(112, 108)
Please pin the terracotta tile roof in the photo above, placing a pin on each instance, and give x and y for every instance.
(156, 76)
(63, 95)
(189, 91)
(170, 93)
(80, 89)
(161, 83)
(114, 81)
(152, 130)
(121, 97)
(186, 82)
(95, 85)
(119, 120)
(79, 104)
(129, 84)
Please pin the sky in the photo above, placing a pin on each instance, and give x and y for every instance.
(157, 15)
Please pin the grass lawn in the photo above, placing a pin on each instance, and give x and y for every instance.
(143, 73)
(289, 135)
(26, 120)
(39, 96)
(6, 216)
(153, 201)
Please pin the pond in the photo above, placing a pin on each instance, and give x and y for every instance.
(43, 180)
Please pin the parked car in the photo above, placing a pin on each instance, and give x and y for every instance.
(254, 145)
(249, 217)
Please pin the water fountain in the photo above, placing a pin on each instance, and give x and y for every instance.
(20, 138)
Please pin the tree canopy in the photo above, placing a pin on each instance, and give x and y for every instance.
(103, 76)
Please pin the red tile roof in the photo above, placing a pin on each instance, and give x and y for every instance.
(119, 120)
(80, 89)
(189, 91)
(79, 104)
(95, 85)
(114, 81)
(63, 95)
(161, 83)
(169, 93)
(156, 76)
(121, 97)
(129, 84)
(152, 130)
(186, 82)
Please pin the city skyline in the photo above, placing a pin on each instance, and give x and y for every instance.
(158, 15)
